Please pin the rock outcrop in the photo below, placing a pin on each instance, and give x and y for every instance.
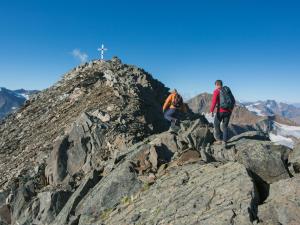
(294, 158)
(93, 149)
(191, 194)
(256, 153)
(282, 205)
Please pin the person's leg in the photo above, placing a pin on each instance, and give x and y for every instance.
(217, 128)
(169, 115)
(226, 118)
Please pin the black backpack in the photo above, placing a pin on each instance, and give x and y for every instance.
(227, 100)
(178, 101)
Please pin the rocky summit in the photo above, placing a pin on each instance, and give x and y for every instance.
(94, 149)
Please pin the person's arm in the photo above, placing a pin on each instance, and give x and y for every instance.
(167, 102)
(214, 101)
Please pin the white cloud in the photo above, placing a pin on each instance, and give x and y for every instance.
(82, 56)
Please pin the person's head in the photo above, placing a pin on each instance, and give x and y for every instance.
(219, 84)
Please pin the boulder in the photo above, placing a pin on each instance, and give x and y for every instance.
(188, 156)
(192, 194)
(195, 133)
(22, 212)
(166, 140)
(261, 157)
(121, 183)
(74, 152)
(65, 215)
(5, 209)
(282, 205)
(294, 158)
(49, 205)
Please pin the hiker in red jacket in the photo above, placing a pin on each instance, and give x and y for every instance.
(224, 101)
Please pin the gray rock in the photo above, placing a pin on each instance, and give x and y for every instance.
(121, 183)
(73, 152)
(262, 158)
(282, 205)
(69, 209)
(209, 194)
(196, 133)
(5, 212)
(294, 158)
(104, 117)
(253, 135)
(191, 135)
(50, 204)
(5, 215)
(22, 213)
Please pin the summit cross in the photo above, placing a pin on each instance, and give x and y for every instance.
(102, 50)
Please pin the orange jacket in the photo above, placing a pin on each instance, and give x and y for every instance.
(168, 103)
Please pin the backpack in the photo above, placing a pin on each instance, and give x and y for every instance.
(177, 101)
(227, 100)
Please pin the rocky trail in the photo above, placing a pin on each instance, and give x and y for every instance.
(94, 149)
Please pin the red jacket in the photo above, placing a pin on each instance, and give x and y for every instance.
(216, 101)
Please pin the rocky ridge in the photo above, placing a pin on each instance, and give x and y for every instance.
(93, 149)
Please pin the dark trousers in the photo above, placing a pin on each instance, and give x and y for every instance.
(171, 115)
(223, 117)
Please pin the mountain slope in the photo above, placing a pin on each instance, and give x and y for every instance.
(126, 96)
(93, 149)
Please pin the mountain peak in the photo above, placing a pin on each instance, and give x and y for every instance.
(126, 97)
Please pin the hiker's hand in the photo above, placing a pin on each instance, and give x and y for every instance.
(212, 114)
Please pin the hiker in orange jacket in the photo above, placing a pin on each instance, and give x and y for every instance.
(173, 105)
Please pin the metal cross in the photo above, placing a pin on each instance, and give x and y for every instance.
(101, 50)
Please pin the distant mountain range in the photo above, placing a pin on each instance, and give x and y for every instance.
(271, 107)
(11, 100)
(296, 104)
(280, 120)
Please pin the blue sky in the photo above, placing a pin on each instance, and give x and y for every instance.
(254, 46)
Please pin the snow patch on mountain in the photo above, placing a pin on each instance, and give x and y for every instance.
(252, 108)
(285, 130)
(209, 118)
(284, 134)
(26, 96)
(281, 140)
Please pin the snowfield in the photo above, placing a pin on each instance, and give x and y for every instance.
(285, 130)
(257, 111)
(281, 140)
(25, 96)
